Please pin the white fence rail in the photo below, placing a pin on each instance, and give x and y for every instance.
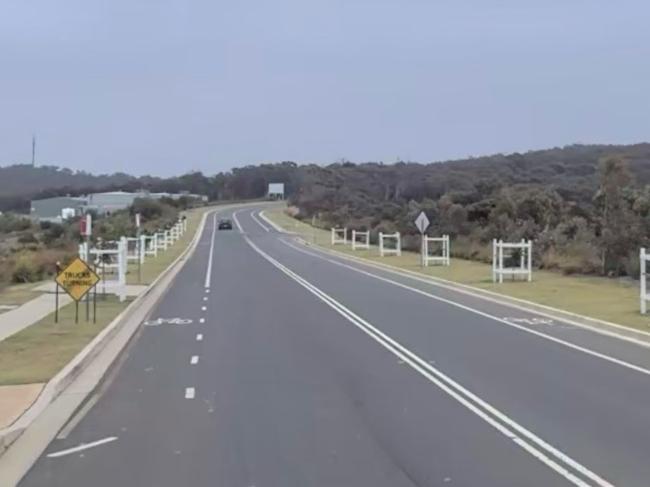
(339, 236)
(499, 269)
(396, 249)
(644, 258)
(360, 243)
(443, 257)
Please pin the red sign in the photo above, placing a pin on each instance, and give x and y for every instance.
(86, 225)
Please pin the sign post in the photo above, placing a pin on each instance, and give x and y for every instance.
(86, 230)
(76, 279)
(422, 222)
(140, 249)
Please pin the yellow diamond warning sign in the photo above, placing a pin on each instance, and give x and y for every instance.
(77, 279)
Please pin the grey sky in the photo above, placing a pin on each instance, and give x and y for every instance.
(164, 87)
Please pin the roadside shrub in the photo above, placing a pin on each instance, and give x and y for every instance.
(36, 266)
(27, 238)
(13, 223)
(52, 232)
(26, 269)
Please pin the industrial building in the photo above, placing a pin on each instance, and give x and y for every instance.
(60, 208)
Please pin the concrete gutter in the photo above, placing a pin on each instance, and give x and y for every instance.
(23, 442)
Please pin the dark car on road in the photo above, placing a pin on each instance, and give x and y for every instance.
(225, 224)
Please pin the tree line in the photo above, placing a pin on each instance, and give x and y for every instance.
(585, 206)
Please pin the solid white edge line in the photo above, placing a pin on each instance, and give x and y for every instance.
(258, 222)
(83, 446)
(194, 360)
(234, 217)
(208, 273)
(275, 226)
(189, 393)
(559, 341)
(451, 387)
(494, 297)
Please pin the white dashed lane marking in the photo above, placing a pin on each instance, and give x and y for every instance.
(204, 308)
(194, 360)
(201, 320)
(189, 393)
(199, 337)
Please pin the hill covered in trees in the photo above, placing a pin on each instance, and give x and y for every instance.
(586, 206)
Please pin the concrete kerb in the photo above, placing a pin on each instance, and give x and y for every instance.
(73, 369)
(615, 330)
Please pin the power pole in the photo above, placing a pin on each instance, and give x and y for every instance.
(33, 151)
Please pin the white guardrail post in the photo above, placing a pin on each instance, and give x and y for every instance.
(525, 266)
(443, 258)
(643, 260)
(363, 244)
(336, 236)
(122, 262)
(383, 250)
(142, 247)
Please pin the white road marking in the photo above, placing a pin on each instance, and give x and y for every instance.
(271, 222)
(528, 441)
(170, 321)
(565, 343)
(189, 392)
(234, 217)
(83, 446)
(194, 360)
(208, 272)
(259, 222)
(199, 337)
(201, 320)
(204, 308)
(495, 297)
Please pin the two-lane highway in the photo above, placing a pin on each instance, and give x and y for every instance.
(269, 363)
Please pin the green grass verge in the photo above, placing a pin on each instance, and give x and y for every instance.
(18, 294)
(38, 352)
(616, 301)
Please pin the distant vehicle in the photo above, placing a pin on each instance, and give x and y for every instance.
(225, 224)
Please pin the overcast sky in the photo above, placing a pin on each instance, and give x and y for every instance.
(165, 87)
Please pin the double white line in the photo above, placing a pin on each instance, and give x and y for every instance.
(561, 463)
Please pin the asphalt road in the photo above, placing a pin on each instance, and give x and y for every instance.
(293, 367)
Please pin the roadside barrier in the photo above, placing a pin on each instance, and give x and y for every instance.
(363, 243)
(397, 244)
(339, 236)
(499, 267)
(443, 257)
(644, 257)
